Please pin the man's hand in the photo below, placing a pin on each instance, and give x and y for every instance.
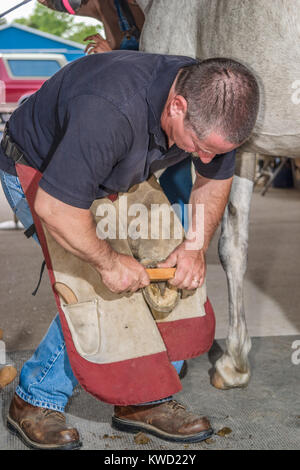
(190, 267)
(123, 273)
(97, 45)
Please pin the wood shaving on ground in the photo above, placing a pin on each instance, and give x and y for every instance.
(141, 438)
(209, 441)
(224, 432)
(7, 375)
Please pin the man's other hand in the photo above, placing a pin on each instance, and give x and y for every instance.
(190, 267)
(122, 273)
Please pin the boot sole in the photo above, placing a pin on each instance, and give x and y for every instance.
(134, 428)
(15, 429)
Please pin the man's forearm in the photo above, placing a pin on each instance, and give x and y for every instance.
(74, 229)
(85, 245)
(214, 195)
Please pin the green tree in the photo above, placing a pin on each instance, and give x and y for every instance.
(59, 24)
(48, 21)
(81, 31)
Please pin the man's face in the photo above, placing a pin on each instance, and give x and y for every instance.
(206, 149)
(173, 123)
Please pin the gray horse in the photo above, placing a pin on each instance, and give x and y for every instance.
(265, 36)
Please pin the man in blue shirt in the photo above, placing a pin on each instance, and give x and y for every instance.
(99, 126)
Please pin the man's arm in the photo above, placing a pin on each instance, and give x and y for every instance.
(189, 256)
(214, 195)
(75, 230)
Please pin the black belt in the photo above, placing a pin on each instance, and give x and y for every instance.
(11, 149)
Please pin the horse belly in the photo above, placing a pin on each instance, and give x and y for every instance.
(262, 34)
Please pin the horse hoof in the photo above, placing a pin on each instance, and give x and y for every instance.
(226, 375)
(7, 375)
(234, 380)
(229, 377)
(218, 382)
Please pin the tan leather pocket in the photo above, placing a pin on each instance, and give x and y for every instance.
(83, 321)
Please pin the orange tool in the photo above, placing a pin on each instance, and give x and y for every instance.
(160, 274)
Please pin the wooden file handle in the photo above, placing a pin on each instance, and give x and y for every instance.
(65, 292)
(160, 274)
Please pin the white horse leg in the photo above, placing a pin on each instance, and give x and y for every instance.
(232, 369)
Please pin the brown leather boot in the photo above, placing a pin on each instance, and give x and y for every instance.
(40, 428)
(169, 421)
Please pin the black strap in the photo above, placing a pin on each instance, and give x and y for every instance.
(30, 231)
(40, 279)
(130, 18)
(10, 149)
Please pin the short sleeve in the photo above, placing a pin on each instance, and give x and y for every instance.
(96, 135)
(220, 168)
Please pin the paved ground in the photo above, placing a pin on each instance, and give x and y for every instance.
(268, 410)
(266, 415)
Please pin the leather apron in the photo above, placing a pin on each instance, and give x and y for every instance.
(119, 350)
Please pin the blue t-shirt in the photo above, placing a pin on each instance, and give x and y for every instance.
(94, 127)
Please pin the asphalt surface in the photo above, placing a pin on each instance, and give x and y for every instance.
(263, 416)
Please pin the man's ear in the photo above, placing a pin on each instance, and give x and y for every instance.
(178, 106)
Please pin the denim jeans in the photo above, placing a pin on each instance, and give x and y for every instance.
(46, 379)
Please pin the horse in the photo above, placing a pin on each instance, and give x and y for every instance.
(264, 35)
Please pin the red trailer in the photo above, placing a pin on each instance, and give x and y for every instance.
(22, 74)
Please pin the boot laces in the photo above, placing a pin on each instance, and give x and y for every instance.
(175, 405)
(46, 412)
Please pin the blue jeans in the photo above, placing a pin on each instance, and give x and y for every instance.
(46, 379)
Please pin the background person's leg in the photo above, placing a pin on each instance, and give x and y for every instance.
(178, 365)
(176, 182)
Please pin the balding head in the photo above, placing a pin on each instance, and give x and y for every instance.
(222, 95)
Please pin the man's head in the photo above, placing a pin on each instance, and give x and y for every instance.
(212, 107)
